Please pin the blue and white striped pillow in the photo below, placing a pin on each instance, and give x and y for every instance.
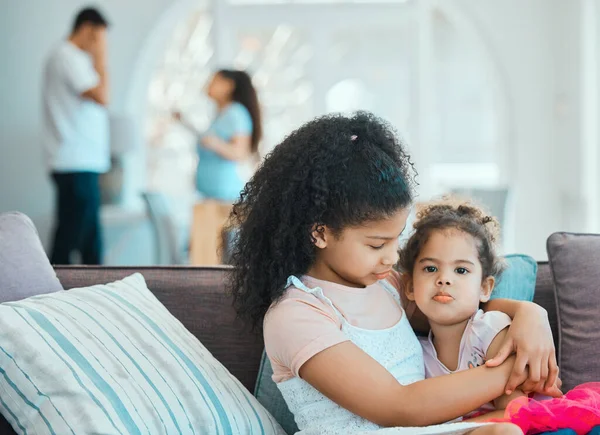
(111, 359)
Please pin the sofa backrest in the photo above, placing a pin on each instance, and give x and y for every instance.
(545, 297)
(196, 296)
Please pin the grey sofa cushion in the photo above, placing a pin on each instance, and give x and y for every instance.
(270, 397)
(575, 263)
(24, 267)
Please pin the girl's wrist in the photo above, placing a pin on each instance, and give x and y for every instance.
(505, 369)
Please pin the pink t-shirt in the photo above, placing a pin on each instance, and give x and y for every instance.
(300, 325)
(479, 334)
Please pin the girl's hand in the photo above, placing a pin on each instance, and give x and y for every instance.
(530, 337)
(530, 387)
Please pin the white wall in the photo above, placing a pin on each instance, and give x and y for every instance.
(567, 121)
(535, 43)
(538, 45)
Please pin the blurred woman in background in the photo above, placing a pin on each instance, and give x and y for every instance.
(224, 151)
(232, 137)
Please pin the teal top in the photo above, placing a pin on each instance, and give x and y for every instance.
(217, 177)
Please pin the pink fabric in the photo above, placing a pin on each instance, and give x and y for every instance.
(578, 410)
(300, 325)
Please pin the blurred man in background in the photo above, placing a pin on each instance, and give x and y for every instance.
(76, 136)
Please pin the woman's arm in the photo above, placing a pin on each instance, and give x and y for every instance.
(530, 337)
(236, 149)
(239, 148)
(179, 117)
(355, 381)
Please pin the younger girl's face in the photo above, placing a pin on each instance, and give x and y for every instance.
(360, 255)
(447, 283)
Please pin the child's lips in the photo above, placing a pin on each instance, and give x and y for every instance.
(443, 298)
(383, 275)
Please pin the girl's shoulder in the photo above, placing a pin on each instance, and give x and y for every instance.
(296, 327)
(490, 319)
(296, 305)
(485, 326)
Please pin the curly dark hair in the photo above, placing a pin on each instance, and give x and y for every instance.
(454, 213)
(335, 171)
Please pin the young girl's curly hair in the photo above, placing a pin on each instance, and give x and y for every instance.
(455, 214)
(335, 171)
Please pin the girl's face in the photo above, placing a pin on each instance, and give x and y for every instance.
(220, 88)
(360, 255)
(447, 283)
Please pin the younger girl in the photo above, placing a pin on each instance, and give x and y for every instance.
(450, 267)
(318, 229)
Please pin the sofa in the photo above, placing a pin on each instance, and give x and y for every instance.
(196, 296)
(567, 287)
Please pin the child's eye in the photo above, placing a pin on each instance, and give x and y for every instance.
(377, 247)
(461, 271)
(430, 269)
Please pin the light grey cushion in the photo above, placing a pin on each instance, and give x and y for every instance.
(575, 263)
(24, 267)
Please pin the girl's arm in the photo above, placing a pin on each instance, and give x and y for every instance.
(236, 149)
(499, 414)
(530, 337)
(493, 349)
(355, 381)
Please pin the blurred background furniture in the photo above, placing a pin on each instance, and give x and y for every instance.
(168, 250)
(207, 235)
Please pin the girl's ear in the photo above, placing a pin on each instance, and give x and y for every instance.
(407, 284)
(319, 236)
(487, 286)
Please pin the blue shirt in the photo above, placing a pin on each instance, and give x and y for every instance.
(217, 177)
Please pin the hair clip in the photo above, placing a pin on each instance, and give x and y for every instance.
(353, 137)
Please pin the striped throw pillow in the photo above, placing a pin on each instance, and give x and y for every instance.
(111, 359)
